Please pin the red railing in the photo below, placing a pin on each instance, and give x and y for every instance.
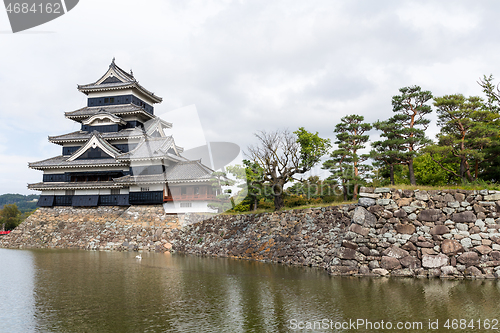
(193, 197)
(4, 232)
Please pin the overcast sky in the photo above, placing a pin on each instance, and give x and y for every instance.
(245, 65)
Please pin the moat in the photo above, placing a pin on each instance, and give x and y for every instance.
(90, 291)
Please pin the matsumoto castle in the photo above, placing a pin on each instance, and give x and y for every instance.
(122, 156)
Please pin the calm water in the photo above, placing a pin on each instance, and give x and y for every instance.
(80, 291)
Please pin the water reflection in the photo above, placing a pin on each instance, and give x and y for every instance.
(79, 291)
(16, 291)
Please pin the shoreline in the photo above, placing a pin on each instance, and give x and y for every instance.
(451, 234)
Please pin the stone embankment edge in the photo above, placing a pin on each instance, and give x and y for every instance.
(410, 233)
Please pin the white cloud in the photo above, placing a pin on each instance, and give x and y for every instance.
(246, 65)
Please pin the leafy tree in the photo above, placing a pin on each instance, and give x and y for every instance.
(409, 124)
(346, 162)
(219, 180)
(253, 178)
(313, 189)
(10, 217)
(280, 155)
(388, 151)
(491, 165)
(465, 132)
(429, 172)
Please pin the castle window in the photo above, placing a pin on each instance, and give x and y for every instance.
(144, 189)
(115, 191)
(183, 190)
(185, 204)
(69, 192)
(196, 190)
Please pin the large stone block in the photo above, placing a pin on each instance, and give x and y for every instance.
(451, 247)
(492, 197)
(434, 261)
(410, 262)
(359, 229)
(469, 258)
(430, 215)
(346, 253)
(395, 252)
(363, 217)
(366, 202)
(405, 228)
(462, 217)
(439, 230)
(390, 263)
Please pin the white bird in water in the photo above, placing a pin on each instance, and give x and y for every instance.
(138, 257)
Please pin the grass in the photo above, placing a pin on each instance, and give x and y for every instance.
(447, 187)
(472, 186)
(270, 210)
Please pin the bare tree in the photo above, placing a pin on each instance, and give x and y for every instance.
(282, 154)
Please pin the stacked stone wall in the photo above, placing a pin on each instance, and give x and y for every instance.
(446, 233)
(102, 228)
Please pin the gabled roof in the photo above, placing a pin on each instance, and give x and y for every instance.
(182, 172)
(95, 141)
(135, 133)
(119, 110)
(114, 79)
(156, 125)
(103, 114)
(153, 148)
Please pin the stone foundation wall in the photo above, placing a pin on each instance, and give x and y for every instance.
(101, 228)
(449, 233)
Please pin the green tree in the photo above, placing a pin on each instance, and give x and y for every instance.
(388, 151)
(490, 169)
(465, 133)
(346, 163)
(429, 172)
(280, 155)
(252, 178)
(411, 107)
(219, 180)
(10, 217)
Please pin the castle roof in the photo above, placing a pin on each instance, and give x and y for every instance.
(182, 172)
(83, 136)
(62, 162)
(118, 110)
(154, 148)
(116, 79)
(74, 186)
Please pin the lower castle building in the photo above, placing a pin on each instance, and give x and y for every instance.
(122, 155)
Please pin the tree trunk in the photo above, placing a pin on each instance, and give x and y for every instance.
(355, 193)
(392, 174)
(412, 173)
(344, 189)
(255, 203)
(462, 169)
(278, 196)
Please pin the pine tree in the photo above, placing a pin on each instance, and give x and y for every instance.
(411, 108)
(346, 162)
(387, 151)
(466, 131)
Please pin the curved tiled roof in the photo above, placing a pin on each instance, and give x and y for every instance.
(189, 171)
(120, 109)
(122, 80)
(74, 185)
(81, 136)
(62, 162)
